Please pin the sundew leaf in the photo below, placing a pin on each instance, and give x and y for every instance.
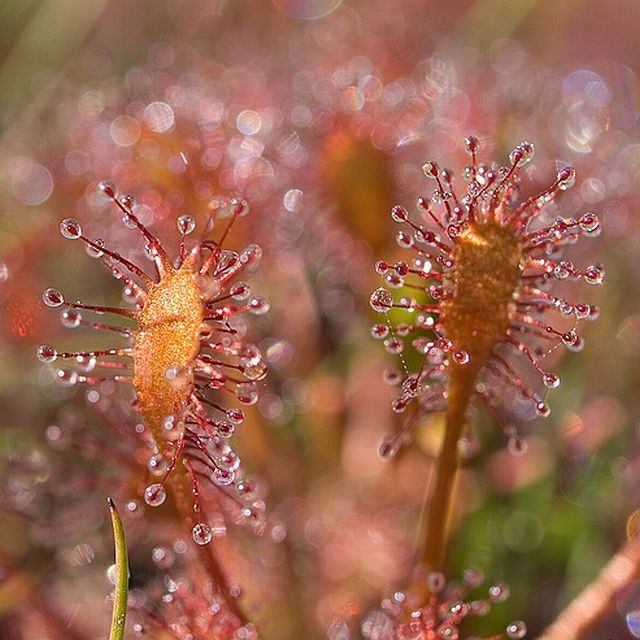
(122, 575)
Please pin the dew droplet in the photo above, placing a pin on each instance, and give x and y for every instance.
(107, 188)
(240, 207)
(543, 409)
(589, 222)
(247, 393)
(186, 224)
(235, 416)
(95, 251)
(471, 145)
(566, 178)
(399, 213)
(392, 377)
(70, 229)
(155, 494)
(593, 274)
(246, 488)
(46, 353)
(517, 446)
(66, 377)
(551, 381)
(381, 300)
(70, 318)
(499, 592)
(157, 465)
(240, 291)
(522, 154)
(430, 170)
(380, 331)
(223, 477)
(436, 582)
(394, 345)
(201, 534)
(257, 371)
(461, 357)
(258, 306)
(516, 630)
(128, 201)
(388, 448)
(52, 298)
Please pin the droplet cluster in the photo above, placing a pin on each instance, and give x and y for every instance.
(478, 286)
(402, 617)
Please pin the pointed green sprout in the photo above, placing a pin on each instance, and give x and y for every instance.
(122, 575)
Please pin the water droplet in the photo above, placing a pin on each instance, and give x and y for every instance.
(201, 534)
(461, 357)
(223, 477)
(247, 393)
(394, 345)
(381, 300)
(399, 213)
(516, 446)
(240, 291)
(186, 224)
(392, 377)
(157, 465)
(95, 252)
(70, 229)
(499, 592)
(107, 188)
(258, 306)
(246, 488)
(430, 170)
(543, 409)
(66, 377)
(566, 178)
(436, 582)
(52, 298)
(388, 448)
(471, 145)
(70, 318)
(240, 207)
(46, 353)
(516, 630)
(522, 154)
(380, 331)
(236, 416)
(257, 371)
(128, 201)
(172, 428)
(551, 381)
(155, 494)
(593, 274)
(589, 222)
(404, 240)
(86, 362)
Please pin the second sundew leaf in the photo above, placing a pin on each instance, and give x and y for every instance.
(119, 614)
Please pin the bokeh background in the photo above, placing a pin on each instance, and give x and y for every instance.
(319, 112)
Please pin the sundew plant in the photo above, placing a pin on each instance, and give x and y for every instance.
(319, 320)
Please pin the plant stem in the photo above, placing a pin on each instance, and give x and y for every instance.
(598, 598)
(181, 490)
(434, 553)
